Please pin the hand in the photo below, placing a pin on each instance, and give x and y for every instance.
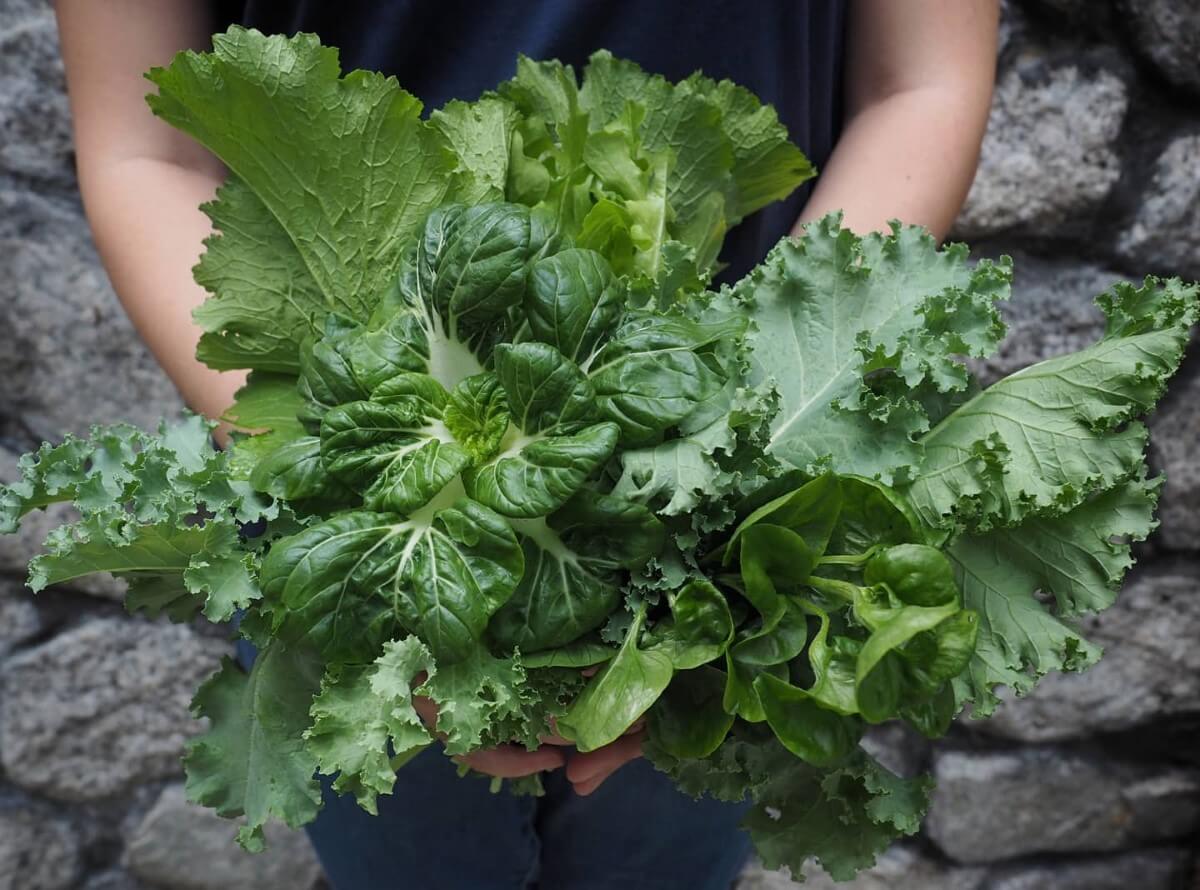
(503, 761)
(587, 771)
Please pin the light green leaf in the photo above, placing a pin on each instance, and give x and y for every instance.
(1078, 558)
(624, 689)
(481, 135)
(363, 719)
(1044, 438)
(253, 760)
(832, 308)
(351, 173)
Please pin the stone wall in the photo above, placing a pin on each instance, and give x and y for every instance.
(1090, 173)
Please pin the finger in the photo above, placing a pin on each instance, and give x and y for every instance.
(587, 771)
(511, 761)
(426, 709)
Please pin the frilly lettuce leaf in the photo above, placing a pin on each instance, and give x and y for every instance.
(1042, 440)
(851, 330)
(253, 761)
(364, 723)
(160, 511)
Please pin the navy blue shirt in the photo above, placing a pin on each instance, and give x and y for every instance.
(788, 52)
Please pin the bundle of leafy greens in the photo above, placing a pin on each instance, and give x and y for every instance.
(497, 430)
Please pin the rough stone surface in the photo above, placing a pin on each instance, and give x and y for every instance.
(1049, 155)
(1164, 235)
(19, 619)
(1151, 667)
(902, 868)
(37, 852)
(1165, 869)
(185, 847)
(71, 358)
(1167, 33)
(35, 126)
(993, 806)
(1174, 432)
(102, 707)
(113, 879)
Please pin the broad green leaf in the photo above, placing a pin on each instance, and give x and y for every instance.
(363, 719)
(832, 308)
(535, 475)
(765, 647)
(654, 372)
(872, 515)
(619, 694)
(578, 654)
(833, 670)
(766, 166)
(481, 135)
(359, 578)
(544, 389)
(810, 512)
(918, 574)
(466, 271)
(572, 578)
(296, 472)
(351, 172)
(688, 720)
(1078, 558)
(396, 458)
(268, 402)
(253, 760)
(700, 628)
(879, 672)
(1044, 438)
(814, 733)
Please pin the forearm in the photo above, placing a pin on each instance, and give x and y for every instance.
(918, 85)
(148, 228)
(910, 157)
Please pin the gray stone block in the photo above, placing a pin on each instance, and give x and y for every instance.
(1050, 151)
(37, 851)
(19, 619)
(71, 358)
(1165, 869)
(181, 846)
(101, 708)
(35, 123)
(1164, 235)
(1167, 34)
(989, 807)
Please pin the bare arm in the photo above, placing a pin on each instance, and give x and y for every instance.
(142, 181)
(919, 76)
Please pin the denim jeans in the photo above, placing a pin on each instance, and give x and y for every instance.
(438, 831)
